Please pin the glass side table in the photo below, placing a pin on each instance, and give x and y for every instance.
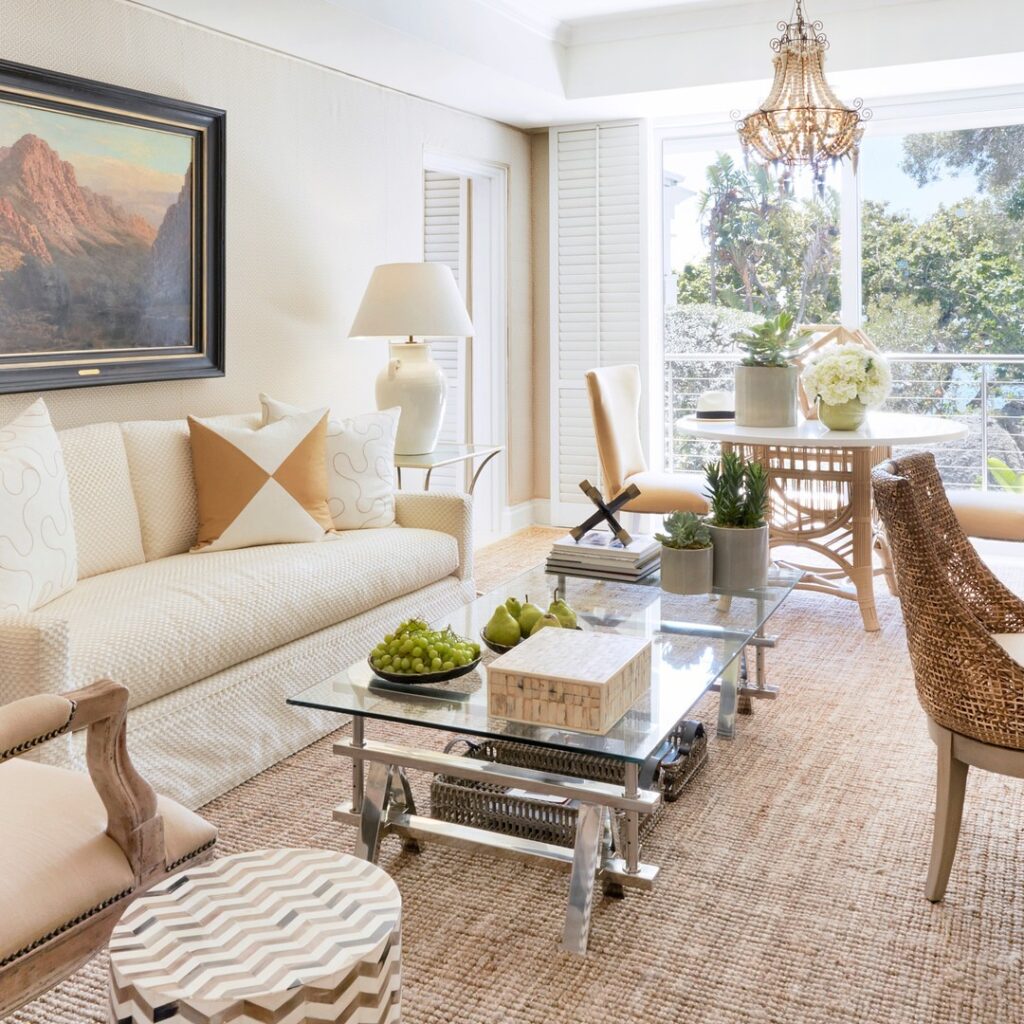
(477, 455)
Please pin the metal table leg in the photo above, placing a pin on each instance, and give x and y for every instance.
(479, 470)
(374, 807)
(584, 874)
(358, 740)
(727, 700)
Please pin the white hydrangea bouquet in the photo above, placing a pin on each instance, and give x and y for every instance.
(846, 380)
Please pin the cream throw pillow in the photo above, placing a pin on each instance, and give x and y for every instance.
(38, 558)
(360, 465)
(264, 485)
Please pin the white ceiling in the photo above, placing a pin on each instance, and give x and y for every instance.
(534, 63)
(563, 11)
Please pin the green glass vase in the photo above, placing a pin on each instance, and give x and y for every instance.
(847, 416)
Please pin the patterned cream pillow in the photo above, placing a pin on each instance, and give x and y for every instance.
(38, 558)
(262, 485)
(360, 465)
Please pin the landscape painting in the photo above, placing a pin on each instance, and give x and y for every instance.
(111, 234)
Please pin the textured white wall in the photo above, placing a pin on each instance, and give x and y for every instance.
(324, 181)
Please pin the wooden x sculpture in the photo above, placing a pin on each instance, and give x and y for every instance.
(605, 512)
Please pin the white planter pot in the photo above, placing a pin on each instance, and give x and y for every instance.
(415, 382)
(766, 396)
(686, 570)
(741, 557)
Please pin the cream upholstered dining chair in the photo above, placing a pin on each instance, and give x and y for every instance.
(965, 632)
(992, 515)
(76, 848)
(614, 393)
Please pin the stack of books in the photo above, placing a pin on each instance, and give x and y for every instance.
(600, 556)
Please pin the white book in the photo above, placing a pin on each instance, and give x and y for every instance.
(603, 546)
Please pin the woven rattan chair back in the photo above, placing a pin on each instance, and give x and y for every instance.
(951, 604)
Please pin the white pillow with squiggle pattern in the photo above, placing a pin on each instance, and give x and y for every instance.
(360, 465)
(38, 558)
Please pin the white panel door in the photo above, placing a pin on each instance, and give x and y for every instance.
(599, 289)
(446, 240)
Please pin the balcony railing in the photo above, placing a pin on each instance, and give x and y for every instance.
(984, 392)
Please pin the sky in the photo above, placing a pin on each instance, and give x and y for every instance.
(141, 168)
(880, 178)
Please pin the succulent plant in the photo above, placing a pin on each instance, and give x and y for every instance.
(684, 530)
(737, 492)
(771, 343)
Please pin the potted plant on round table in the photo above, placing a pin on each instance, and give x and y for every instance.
(766, 379)
(846, 381)
(737, 493)
(686, 554)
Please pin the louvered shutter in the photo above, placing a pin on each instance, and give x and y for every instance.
(599, 288)
(445, 241)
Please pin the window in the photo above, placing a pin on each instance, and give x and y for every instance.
(942, 266)
(932, 263)
(741, 246)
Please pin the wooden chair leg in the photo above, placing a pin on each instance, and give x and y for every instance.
(950, 785)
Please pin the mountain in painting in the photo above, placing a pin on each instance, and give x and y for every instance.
(77, 271)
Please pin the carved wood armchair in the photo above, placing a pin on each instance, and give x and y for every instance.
(77, 848)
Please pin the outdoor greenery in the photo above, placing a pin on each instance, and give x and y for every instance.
(767, 250)
(684, 530)
(948, 283)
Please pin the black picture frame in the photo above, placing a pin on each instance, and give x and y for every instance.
(206, 126)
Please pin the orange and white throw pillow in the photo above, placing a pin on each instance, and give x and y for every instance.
(263, 485)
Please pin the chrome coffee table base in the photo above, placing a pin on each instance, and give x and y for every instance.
(382, 804)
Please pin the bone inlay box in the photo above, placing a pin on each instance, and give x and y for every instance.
(570, 679)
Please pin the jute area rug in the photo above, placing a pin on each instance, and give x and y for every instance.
(792, 869)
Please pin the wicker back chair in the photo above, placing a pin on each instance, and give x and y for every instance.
(961, 622)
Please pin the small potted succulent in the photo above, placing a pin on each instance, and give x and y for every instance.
(846, 381)
(766, 379)
(686, 554)
(737, 493)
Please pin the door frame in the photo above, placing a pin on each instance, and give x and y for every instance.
(493, 416)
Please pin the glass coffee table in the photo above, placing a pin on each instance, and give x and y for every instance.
(699, 643)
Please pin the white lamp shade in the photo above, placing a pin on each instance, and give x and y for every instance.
(412, 300)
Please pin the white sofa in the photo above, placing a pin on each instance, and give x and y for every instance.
(211, 644)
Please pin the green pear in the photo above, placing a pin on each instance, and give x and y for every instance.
(528, 617)
(514, 607)
(565, 615)
(543, 622)
(502, 628)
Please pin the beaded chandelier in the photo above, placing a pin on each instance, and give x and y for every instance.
(803, 122)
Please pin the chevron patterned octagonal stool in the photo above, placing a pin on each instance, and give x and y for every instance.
(270, 937)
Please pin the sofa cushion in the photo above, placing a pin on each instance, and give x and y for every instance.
(160, 458)
(165, 624)
(102, 501)
(37, 536)
(266, 485)
(56, 861)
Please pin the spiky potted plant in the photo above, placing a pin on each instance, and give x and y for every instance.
(737, 493)
(766, 379)
(686, 554)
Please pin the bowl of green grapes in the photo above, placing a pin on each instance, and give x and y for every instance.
(515, 620)
(415, 653)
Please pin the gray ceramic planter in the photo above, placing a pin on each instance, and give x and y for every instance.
(741, 557)
(766, 396)
(686, 570)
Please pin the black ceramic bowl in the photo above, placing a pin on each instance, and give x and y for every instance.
(419, 678)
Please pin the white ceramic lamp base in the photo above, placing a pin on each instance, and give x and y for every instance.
(415, 382)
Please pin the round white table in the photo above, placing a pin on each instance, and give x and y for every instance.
(821, 490)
